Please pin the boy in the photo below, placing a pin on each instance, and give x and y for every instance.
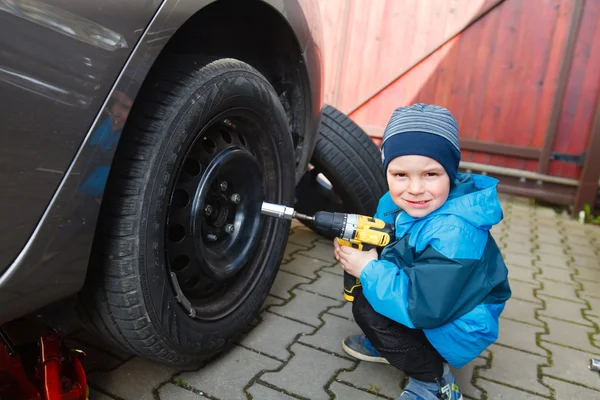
(434, 295)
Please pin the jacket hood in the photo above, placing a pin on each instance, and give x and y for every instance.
(474, 199)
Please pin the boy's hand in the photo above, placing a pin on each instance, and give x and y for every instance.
(353, 261)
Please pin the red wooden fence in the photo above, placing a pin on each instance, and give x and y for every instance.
(521, 77)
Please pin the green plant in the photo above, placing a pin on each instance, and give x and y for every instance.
(182, 384)
(589, 217)
(373, 389)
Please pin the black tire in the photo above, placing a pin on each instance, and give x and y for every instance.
(347, 157)
(196, 122)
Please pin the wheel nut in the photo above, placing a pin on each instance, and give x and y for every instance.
(208, 209)
(223, 186)
(236, 198)
(229, 228)
(211, 237)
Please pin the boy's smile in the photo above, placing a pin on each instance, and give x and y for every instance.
(418, 184)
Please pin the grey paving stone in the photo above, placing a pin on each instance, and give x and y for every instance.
(501, 392)
(556, 274)
(367, 376)
(565, 291)
(346, 392)
(170, 392)
(303, 236)
(524, 216)
(594, 304)
(261, 392)
(504, 369)
(521, 260)
(580, 261)
(512, 246)
(325, 241)
(576, 237)
(519, 237)
(522, 311)
(519, 227)
(329, 336)
(573, 226)
(269, 301)
(581, 249)
(555, 261)
(284, 281)
(521, 273)
(335, 269)
(307, 373)
(290, 251)
(345, 311)
(590, 289)
(465, 374)
(546, 223)
(95, 359)
(321, 251)
(587, 274)
(326, 284)
(94, 395)
(552, 238)
(568, 391)
(565, 333)
(520, 336)
(545, 212)
(133, 380)
(593, 232)
(273, 335)
(565, 310)
(571, 365)
(596, 337)
(524, 290)
(550, 250)
(305, 307)
(226, 377)
(304, 266)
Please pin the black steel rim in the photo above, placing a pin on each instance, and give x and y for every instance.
(214, 221)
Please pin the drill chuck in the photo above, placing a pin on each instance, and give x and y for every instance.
(281, 211)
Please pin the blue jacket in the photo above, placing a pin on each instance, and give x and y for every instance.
(444, 273)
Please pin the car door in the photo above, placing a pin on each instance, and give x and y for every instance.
(58, 60)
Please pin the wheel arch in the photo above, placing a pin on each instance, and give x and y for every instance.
(59, 248)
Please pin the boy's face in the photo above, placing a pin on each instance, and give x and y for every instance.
(418, 184)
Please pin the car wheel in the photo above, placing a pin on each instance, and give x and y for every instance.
(345, 172)
(183, 258)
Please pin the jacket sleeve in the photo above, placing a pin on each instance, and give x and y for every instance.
(426, 290)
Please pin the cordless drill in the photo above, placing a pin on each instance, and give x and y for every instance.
(357, 231)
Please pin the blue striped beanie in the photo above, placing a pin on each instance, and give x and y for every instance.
(424, 130)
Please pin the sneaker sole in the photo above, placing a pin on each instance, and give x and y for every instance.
(363, 357)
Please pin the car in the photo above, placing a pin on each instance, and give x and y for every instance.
(139, 141)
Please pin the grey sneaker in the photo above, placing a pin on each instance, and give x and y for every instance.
(358, 346)
(445, 389)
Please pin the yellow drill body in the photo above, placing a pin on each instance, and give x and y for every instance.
(353, 230)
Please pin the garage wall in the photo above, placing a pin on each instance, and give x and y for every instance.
(521, 78)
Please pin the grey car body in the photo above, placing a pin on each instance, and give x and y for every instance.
(64, 65)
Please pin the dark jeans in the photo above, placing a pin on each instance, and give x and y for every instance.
(406, 349)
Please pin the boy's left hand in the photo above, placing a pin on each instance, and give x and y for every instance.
(353, 261)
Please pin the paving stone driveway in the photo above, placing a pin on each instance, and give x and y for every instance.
(548, 332)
